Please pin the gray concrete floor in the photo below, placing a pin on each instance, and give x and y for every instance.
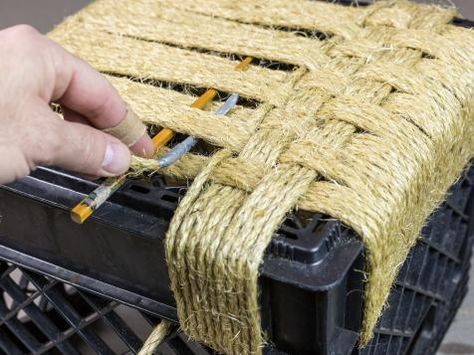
(46, 13)
(459, 339)
(43, 14)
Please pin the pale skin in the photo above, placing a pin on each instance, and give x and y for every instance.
(35, 71)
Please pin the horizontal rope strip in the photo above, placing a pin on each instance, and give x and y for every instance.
(324, 79)
(433, 44)
(246, 179)
(419, 108)
(401, 78)
(391, 17)
(233, 172)
(172, 110)
(174, 97)
(370, 118)
(310, 15)
(122, 55)
(460, 44)
(158, 22)
(404, 15)
(241, 174)
(428, 17)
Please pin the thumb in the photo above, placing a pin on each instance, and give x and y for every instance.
(80, 148)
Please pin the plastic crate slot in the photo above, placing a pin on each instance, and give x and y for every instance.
(139, 188)
(439, 248)
(69, 313)
(41, 321)
(429, 270)
(282, 250)
(174, 198)
(438, 285)
(25, 337)
(400, 315)
(9, 344)
(459, 240)
(387, 323)
(292, 222)
(85, 314)
(425, 332)
(287, 233)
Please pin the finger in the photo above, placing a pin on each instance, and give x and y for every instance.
(71, 116)
(83, 90)
(76, 147)
(91, 152)
(143, 147)
(132, 131)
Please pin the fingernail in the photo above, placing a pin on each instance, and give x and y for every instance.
(116, 159)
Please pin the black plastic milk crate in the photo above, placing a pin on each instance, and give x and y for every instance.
(311, 281)
(100, 287)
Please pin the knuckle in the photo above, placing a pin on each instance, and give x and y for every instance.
(16, 167)
(21, 40)
(98, 110)
(23, 32)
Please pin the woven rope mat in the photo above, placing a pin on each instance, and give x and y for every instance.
(369, 121)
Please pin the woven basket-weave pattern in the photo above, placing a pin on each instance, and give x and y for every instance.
(369, 121)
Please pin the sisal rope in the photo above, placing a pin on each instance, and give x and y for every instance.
(156, 337)
(371, 127)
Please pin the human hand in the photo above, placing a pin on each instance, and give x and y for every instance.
(35, 71)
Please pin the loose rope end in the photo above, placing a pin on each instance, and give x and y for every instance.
(156, 337)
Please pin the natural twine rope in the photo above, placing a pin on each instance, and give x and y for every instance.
(156, 337)
(372, 127)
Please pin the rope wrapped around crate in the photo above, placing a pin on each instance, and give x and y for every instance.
(371, 127)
